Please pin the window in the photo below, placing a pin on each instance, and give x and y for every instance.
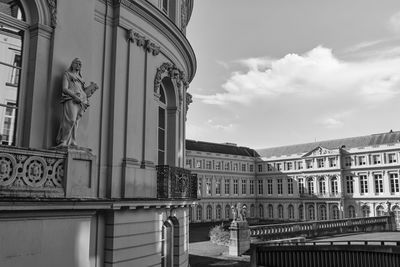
(376, 159)
(301, 212)
(198, 164)
(394, 183)
(363, 184)
(244, 186)
(362, 160)
(289, 166)
(252, 211)
(243, 167)
(200, 189)
(259, 168)
(365, 211)
(347, 161)
(251, 166)
(332, 162)
(278, 166)
(218, 187)
(269, 187)
(208, 165)
(227, 212)
(351, 212)
(291, 212)
(301, 186)
(227, 186)
(208, 186)
(320, 163)
(227, 166)
(270, 211)
(310, 184)
(209, 213)
(261, 211)
(10, 67)
(280, 187)
(322, 213)
(378, 183)
(335, 212)
(161, 127)
(164, 6)
(235, 186)
(349, 184)
(251, 187)
(218, 165)
(309, 164)
(199, 213)
(260, 187)
(311, 213)
(188, 163)
(380, 211)
(334, 186)
(280, 211)
(235, 166)
(290, 186)
(392, 158)
(300, 165)
(321, 185)
(269, 167)
(218, 213)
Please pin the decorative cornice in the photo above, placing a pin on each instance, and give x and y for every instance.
(142, 41)
(170, 70)
(53, 10)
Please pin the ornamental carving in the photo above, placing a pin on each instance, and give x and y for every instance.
(26, 170)
(189, 100)
(142, 41)
(170, 70)
(53, 12)
(184, 15)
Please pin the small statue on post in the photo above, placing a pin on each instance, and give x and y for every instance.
(75, 96)
(239, 212)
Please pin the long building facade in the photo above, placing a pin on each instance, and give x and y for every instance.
(113, 191)
(343, 178)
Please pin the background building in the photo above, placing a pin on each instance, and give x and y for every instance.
(122, 197)
(350, 177)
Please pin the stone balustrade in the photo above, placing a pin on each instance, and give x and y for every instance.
(321, 228)
(175, 183)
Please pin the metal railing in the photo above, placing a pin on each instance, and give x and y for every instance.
(176, 183)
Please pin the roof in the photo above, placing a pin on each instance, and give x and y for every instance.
(220, 148)
(351, 142)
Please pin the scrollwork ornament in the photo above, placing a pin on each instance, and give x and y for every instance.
(53, 10)
(58, 173)
(8, 169)
(35, 170)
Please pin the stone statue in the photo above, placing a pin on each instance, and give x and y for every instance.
(75, 96)
(239, 212)
(388, 206)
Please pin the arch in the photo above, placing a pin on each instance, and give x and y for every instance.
(170, 236)
(311, 212)
(261, 211)
(252, 211)
(301, 212)
(209, 213)
(365, 210)
(218, 213)
(351, 211)
(322, 213)
(270, 211)
(227, 211)
(280, 211)
(290, 212)
(335, 212)
(380, 210)
(310, 185)
(334, 186)
(199, 213)
(396, 211)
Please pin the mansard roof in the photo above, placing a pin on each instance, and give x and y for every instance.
(351, 142)
(230, 149)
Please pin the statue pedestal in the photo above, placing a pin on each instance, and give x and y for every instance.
(239, 241)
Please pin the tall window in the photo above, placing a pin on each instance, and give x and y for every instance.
(251, 187)
(334, 186)
(362, 160)
(252, 210)
(309, 164)
(380, 211)
(322, 212)
(218, 165)
(365, 211)
(291, 212)
(392, 158)
(310, 184)
(199, 213)
(260, 187)
(208, 186)
(243, 167)
(301, 186)
(290, 186)
(280, 211)
(335, 212)
(352, 212)
(164, 6)
(349, 184)
(320, 163)
(227, 166)
(209, 213)
(227, 183)
(376, 159)
(280, 186)
(394, 183)
(235, 186)
(10, 67)
(332, 162)
(378, 183)
(269, 187)
(270, 211)
(227, 211)
(218, 187)
(218, 213)
(261, 211)
(311, 213)
(259, 167)
(161, 127)
(301, 212)
(321, 185)
(363, 184)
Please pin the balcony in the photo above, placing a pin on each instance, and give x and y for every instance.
(175, 183)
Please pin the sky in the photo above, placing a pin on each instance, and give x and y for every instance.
(280, 72)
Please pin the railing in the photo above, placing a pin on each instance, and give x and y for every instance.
(320, 195)
(31, 173)
(320, 228)
(176, 183)
(333, 254)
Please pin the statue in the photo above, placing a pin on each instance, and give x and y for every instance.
(75, 96)
(388, 206)
(239, 212)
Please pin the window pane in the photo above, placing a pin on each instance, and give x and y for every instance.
(12, 8)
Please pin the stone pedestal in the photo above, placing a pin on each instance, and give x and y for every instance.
(239, 241)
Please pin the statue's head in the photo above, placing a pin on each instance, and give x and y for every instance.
(76, 65)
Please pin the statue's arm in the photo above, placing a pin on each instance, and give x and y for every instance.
(67, 91)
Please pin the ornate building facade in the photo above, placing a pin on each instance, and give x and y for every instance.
(120, 196)
(350, 177)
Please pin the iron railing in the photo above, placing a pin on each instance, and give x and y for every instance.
(176, 183)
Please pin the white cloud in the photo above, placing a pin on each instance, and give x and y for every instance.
(317, 74)
(220, 126)
(394, 22)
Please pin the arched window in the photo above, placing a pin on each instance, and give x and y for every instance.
(227, 212)
(218, 212)
(301, 212)
(270, 211)
(365, 211)
(162, 127)
(310, 184)
(291, 212)
(322, 186)
(209, 213)
(351, 212)
(252, 211)
(311, 213)
(261, 211)
(322, 212)
(280, 211)
(12, 32)
(335, 212)
(167, 244)
(334, 186)
(199, 213)
(380, 211)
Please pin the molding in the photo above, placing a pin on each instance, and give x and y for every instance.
(53, 12)
(142, 41)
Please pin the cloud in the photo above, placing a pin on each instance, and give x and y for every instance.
(394, 22)
(219, 126)
(317, 74)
